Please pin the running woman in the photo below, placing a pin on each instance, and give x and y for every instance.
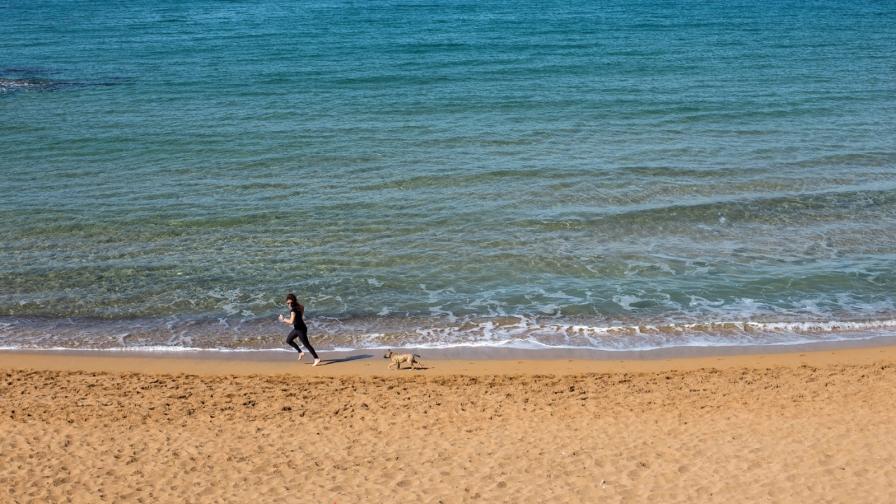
(299, 329)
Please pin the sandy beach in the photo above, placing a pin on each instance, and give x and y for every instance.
(789, 427)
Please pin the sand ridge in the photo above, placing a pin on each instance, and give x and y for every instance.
(781, 434)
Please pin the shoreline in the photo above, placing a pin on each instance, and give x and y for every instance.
(572, 337)
(475, 361)
(471, 352)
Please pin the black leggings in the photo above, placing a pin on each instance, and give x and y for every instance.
(302, 334)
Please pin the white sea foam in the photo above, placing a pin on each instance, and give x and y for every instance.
(441, 331)
(509, 343)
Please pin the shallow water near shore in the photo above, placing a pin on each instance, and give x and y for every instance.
(629, 176)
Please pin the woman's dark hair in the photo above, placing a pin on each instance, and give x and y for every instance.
(292, 298)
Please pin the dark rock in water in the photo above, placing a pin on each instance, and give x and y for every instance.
(24, 71)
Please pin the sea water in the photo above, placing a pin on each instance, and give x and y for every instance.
(615, 175)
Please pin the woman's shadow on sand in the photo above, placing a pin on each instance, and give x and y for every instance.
(348, 358)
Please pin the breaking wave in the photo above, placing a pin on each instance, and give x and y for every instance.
(432, 333)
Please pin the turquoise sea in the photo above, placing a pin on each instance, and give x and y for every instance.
(615, 175)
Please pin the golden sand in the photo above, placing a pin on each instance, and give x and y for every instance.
(809, 427)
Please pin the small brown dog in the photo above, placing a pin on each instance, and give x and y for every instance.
(398, 359)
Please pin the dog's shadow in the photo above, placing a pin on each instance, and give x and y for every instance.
(348, 358)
